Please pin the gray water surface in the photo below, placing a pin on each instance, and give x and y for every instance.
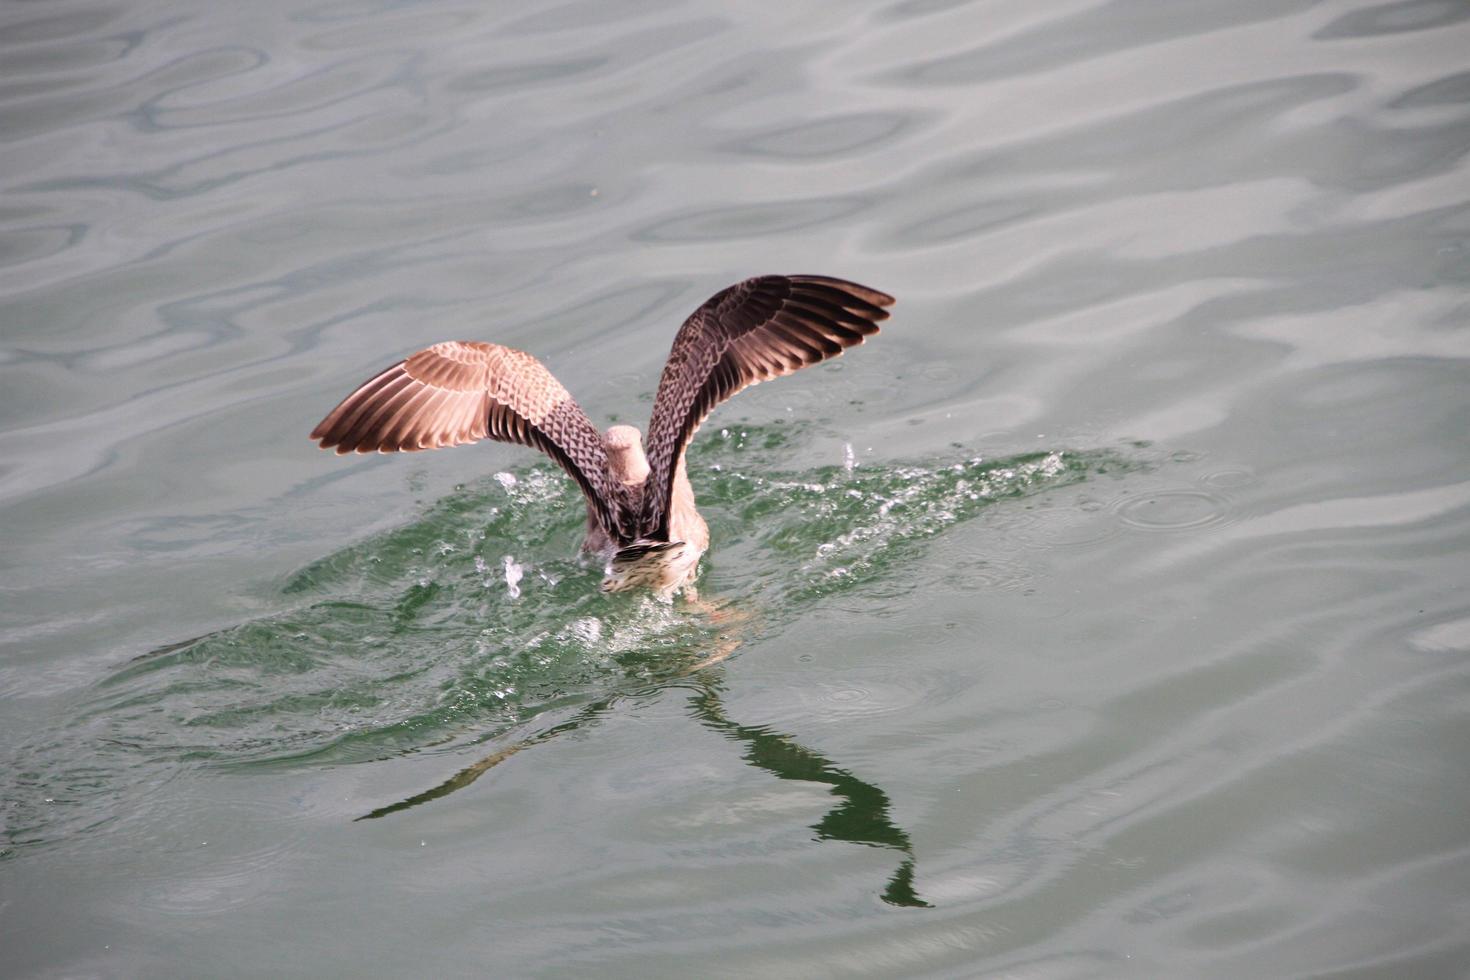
(1105, 615)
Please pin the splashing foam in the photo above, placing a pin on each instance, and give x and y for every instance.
(513, 574)
(400, 642)
(853, 526)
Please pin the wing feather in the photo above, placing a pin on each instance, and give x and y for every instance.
(460, 392)
(754, 331)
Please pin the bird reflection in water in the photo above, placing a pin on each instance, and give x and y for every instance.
(861, 815)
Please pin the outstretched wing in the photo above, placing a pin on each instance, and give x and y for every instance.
(462, 391)
(752, 332)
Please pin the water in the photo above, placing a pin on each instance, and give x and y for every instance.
(1107, 614)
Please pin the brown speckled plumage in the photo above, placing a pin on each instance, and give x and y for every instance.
(640, 507)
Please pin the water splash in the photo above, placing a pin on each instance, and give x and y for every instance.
(513, 576)
(407, 641)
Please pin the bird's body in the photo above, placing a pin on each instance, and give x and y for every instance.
(641, 514)
(659, 566)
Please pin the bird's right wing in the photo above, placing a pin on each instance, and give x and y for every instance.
(462, 391)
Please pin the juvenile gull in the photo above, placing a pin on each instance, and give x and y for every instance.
(640, 507)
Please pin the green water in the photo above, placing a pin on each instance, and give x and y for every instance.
(436, 636)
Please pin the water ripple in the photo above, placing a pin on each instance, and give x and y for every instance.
(831, 137)
(750, 220)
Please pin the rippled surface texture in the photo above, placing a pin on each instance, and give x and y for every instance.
(1107, 614)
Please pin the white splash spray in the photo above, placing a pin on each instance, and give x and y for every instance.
(513, 574)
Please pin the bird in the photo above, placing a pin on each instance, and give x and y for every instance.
(641, 513)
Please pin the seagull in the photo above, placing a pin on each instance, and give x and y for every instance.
(641, 517)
